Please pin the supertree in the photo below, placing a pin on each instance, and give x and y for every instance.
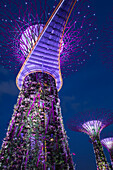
(78, 41)
(107, 142)
(36, 137)
(92, 123)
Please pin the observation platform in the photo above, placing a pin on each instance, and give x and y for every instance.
(45, 53)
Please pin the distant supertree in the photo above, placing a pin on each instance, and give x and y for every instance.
(16, 40)
(92, 123)
(107, 43)
(107, 142)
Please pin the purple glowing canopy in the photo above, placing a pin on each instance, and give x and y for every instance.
(91, 122)
(45, 54)
(92, 127)
(108, 143)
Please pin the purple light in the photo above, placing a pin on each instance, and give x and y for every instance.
(91, 122)
(78, 33)
(26, 16)
(47, 47)
(107, 41)
(24, 22)
(92, 127)
(108, 143)
(29, 37)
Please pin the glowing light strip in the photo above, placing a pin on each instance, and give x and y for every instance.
(62, 41)
(108, 142)
(41, 34)
(44, 29)
(92, 126)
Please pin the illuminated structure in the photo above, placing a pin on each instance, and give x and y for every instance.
(92, 124)
(36, 136)
(108, 143)
(36, 133)
(78, 41)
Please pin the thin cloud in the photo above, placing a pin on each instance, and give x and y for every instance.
(66, 102)
(8, 87)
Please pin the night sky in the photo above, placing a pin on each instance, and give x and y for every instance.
(89, 88)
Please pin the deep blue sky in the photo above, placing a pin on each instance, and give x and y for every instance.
(90, 88)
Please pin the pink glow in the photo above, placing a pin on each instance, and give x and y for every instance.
(108, 143)
(20, 130)
(92, 127)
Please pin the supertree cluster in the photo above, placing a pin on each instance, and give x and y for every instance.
(107, 43)
(107, 142)
(78, 39)
(92, 123)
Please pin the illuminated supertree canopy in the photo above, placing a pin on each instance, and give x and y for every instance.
(108, 144)
(22, 24)
(79, 38)
(92, 123)
(16, 17)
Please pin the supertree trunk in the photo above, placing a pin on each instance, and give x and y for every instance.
(101, 161)
(111, 157)
(36, 138)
